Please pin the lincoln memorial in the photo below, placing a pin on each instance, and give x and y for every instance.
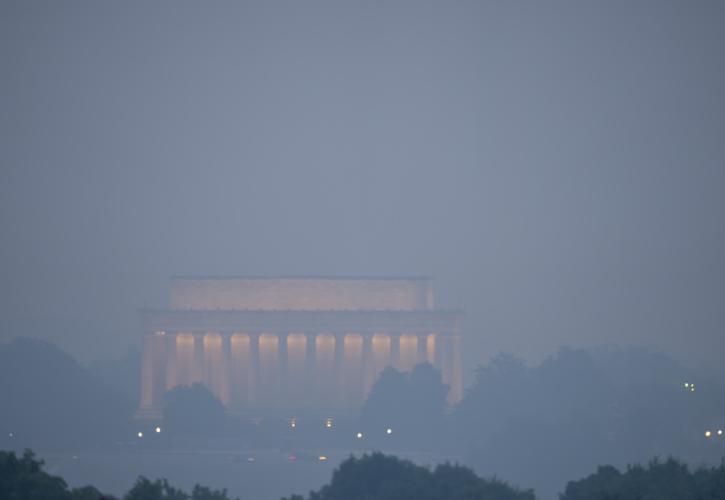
(290, 345)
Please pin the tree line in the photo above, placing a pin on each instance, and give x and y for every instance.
(384, 477)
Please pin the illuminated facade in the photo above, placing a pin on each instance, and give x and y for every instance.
(294, 344)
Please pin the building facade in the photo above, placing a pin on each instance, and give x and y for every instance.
(294, 345)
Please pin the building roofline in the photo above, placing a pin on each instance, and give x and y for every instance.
(303, 277)
(303, 311)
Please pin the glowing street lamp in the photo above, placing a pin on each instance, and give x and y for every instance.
(359, 435)
(328, 423)
(719, 432)
(708, 434)
(388, 431)
(140, 434)
(293, 423)
(157, 429)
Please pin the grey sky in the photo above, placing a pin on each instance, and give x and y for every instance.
(556, 166)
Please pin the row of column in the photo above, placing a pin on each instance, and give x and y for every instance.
(291, 370)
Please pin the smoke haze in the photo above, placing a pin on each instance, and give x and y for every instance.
(558, 167)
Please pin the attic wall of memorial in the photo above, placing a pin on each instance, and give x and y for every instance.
(302, 294)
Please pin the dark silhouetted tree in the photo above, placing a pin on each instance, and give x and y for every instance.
(412, 406)
(668, 480)
(542, 425)
(193, 410)
(23, 478)
(50, 401)
(160, 489)
(382, 477)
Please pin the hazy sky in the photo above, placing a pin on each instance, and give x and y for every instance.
(558, 167)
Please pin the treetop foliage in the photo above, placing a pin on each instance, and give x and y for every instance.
(659, 480)
(160, 489)
(23, 478)
(385, 477)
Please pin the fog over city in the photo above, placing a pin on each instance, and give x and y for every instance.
(533, 191)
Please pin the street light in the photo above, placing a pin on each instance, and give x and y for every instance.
(388, 431)
(140, 434)
(157, 429)
(708, 434)
(359, 435)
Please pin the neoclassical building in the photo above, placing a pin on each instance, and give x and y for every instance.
(294, 344)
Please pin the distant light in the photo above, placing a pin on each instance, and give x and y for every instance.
(328, 423)
(708, 434)
(322, 458)
(388, 431)
(140, 434)
(157, 429)
(292, 458)
(10, 435)
(719, 432)
(359, 435)
(293, 423)
(250, 459)
(687, 385)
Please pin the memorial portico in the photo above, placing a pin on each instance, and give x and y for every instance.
(294, 344)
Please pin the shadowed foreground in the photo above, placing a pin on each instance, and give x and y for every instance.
(386, 477)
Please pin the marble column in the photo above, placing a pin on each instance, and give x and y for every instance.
(395, 350)
(226, 382)
(197, 374)
(422, 345)
(432, 348)
(184, 358)
(325, 369)
(446, 359)
(438, 352)
(172, 377)
(382, 353)
(215, 376)
(147, 374)
(451, 366)
(281, 398)
(296, 373)
(254, 372)
(240, 371)
(339, 389)
(368, 361)
(408, 352)
(153, 374)
(311, 369)
(269, 370)
(222, 371)
(353, 374)
(456, 393)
